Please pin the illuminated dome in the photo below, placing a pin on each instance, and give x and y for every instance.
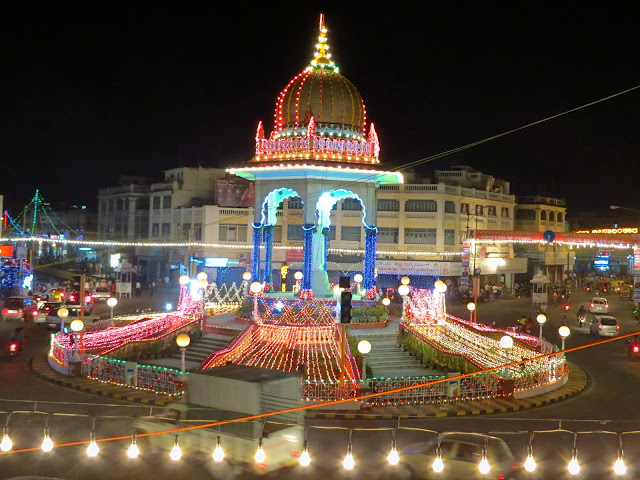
(319, 118)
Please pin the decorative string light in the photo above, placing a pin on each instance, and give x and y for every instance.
(574, 467)
(483, 466)
(393, 458)
(47, 443)
(438, 465)
(619, 467)
(176, 453)
(305, 458)
(260, 456)
(348, 463)
(218, 452)
(133, 450)
(6, 444)
(530, 463)
(93, 449)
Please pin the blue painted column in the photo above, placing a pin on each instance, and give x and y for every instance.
(370, 249)
(255, 254)
(307, 229)
(326, 249)
(268, 255)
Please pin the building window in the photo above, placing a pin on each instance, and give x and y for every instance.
(277, 235)
(543, 214)
(421, 206)
(388, 205)
(197, 232)
(449, 237)
(331, 233)
(155, 230)
(479, 210)
(424, 236)
(156, 203)
(294, 203)
(525, 214)
(166, 201)
(234, 233)
(504, 212)
(491, 210)
(559, 217)
(387, 235)
(166, 229)
(552, 216)
(464, 208)
(351, 204)
(294, 232)
(350, 234)
(449, 207)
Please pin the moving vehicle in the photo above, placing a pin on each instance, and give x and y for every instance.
(604, 326)
(101, 293)
(461, 454)
(43, 311)
(19, 307)
(599, 305)
(633, 349)
(56, 294)
(54, 322)
(625, 291)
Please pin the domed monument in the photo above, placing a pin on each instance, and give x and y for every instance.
(322, 150)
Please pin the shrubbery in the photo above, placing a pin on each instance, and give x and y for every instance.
(369, 314)
(434, 358)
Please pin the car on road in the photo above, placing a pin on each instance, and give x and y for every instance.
(101, 294)
(461, 454)
(43, 311)
(604, 326)
(19, 307)
(599, 305)
(54, 322)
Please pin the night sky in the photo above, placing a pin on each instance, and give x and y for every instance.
(98, 90)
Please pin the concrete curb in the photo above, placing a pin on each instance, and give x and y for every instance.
(578, 380)
(95, 387)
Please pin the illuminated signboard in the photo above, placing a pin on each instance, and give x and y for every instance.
(602, 260)
(610, 231)
(6, 251)
(213, 262)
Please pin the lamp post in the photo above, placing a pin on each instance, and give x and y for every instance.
(403, 290)
(471, 307)
(256, 288)
(337, 291)
(76, 327)
(364, 347)
(564, 332)
(246, 276)
(358, 279)
(618, 207)
(62, 313)
(111, 303)
(183, 340)
(506, 342)
(541, 319)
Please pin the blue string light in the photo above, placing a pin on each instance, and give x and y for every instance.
(255, 254)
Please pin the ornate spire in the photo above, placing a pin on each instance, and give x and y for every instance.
(322, 57)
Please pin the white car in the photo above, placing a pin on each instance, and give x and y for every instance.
(604, 326)
(101, 293)
(599, 305)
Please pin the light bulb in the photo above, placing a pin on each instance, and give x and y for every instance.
(305, 459)
(260, 456)
(348, 463)
(176, 453)
(483, 466)
(438, 464)
(93, 449)
(47, 444)
(530, 464)
(574, 466)
(619, 467)
(6, 443)
(218, 452)
(393, 458)
(133, 450)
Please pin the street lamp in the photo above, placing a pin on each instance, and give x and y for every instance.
(111, 303)
(564, 332)
(440, 286)
(62, 313)
(471, 307)
(358, 279)
(76, 327)
(364, 347)
(506, 342)
(618, 207)
(256, 288)
(337, 291)
(184, 279)
(183, 340)
(403, 290)
(386, 301)
(405, 280)
(541, 319)
(298, 277)
(246, 276)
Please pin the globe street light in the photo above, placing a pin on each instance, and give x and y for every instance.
(111, 303)
(183, 340)
(440, 286)
(564, 332)
(403, 290)
(256, 288)
(364, 347)
(298, 277)
(358, 279)
(541, 319)
(471, 307)
(405, 280)
(506, 342)
(246, 276)
(386, 301)
(62, 313)
(76, 327)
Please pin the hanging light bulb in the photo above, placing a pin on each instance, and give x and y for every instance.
(47, 443)
(483, 466)
(619, 467)
(438, 464)
(218, 452)
(574, 466)
(348, 463)
(93, 449)
(260, 456)
(530, 463)
(6, 444)
(393, 458)
(133, 450)
(176, 453)
(305, 459)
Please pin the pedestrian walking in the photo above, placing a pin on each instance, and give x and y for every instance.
(138, 288)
